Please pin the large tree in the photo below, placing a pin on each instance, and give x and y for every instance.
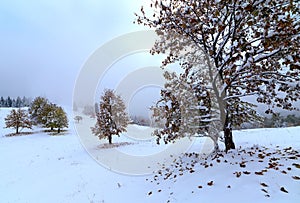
(18, 119)
(112, 118)
(249, 48)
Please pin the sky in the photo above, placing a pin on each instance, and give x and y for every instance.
(44, 44)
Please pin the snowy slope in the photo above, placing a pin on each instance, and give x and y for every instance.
(44, 168)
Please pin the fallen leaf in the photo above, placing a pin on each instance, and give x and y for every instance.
(288, 148)
(200, 186)
(150, 193)
(284, 172)
(210, 183)
(283, 190)
(264, 184)
(192, 171)
(296, 177)
(264, 190)
(296, 165)
(259, 173)
(237, 174)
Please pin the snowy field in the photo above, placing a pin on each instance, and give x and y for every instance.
(44, 168)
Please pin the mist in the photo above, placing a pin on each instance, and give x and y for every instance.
(45, 43)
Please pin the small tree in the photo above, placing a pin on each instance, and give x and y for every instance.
(78, 118)
(18, 119)
(37, 110)
(57, 118)
(112, 118)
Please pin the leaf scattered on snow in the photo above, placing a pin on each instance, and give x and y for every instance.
(264, 184)
(210, 183)
(296, 177)
(284, 172)
(283, 190)
(237, 174)
(246, 172)
(259, 173)
(150, 193)
(296, 165)
(264, 190)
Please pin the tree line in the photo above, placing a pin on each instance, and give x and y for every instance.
(15, 102)
(41, 113)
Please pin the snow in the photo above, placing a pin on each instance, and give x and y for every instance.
(44, 168)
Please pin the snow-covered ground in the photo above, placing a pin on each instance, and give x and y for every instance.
(45, 168)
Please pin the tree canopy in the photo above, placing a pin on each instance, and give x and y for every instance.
(248, 48)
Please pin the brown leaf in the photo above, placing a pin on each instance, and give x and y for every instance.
(296, 177)
(242, 165)
(246, 172)
(210, 183)
(150, 193)
(199, 186)
(237, 174)
(296, 165)
(259, 173)
(264, 190)
(264, 184)
(283, 190)
(284, 172)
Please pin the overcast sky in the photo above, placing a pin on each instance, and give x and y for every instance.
(45, 43)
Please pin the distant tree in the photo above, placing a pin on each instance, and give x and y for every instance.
(88, 110)
(56, 118)
(18, 119)
(78, 118)
(112, 118)
(292, 120)
(19, 102)
(8, 102)
(2, 102)
(37, 110)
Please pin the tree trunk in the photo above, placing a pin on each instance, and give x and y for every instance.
(58, 130)
(51, 128)
(17, 130)
(110, 139)
(229, 144)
